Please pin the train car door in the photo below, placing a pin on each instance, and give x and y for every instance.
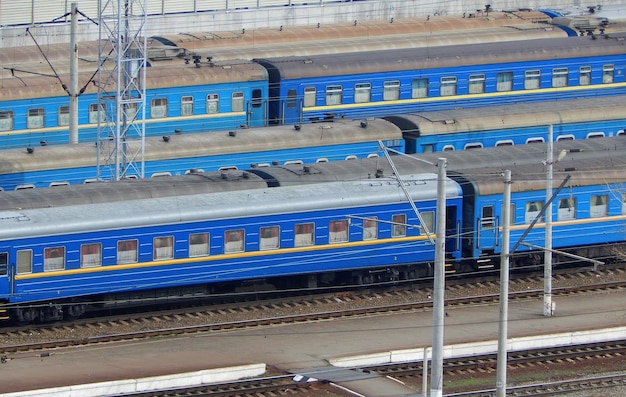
(290, 108)
(487, 227)
(5, 276)
(257, 111)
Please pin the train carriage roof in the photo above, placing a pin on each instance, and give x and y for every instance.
(212, 143)
(132, 189)
(299, 40)
(506, 117)
(448, 56)
(532, 177)
(471, 162)
(217, 206)
(25, 85)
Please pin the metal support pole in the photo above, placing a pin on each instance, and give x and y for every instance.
(547, 269)
(425, 372)
(73, 108)
(436, 374)
(504, 288)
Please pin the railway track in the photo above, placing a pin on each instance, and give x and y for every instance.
(287, 385)
(306, 309)
(93, 333)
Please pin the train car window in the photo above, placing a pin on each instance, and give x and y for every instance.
(419, 88)
(362, 92)
(59, 183)
(309, 96)
(398, 228)
(429, 220)
(194, 171)
(233, 241)
(35, 118)
(6, 120)
(269, 238)
(487, 220)
(475, 145)
(532, 79)
(334, 94)
(623, 203)
(598, 134)
(565, 137)
(533, 208)
(163, 248)
(566, 209)
(322, 160)
(96, 115)
(257, 98)
(4, 263)
(130, 111)
(599, 206)
(512, 212)
(560, 77)
(237, 102)
(162, 173)
(504, 81)
(24, 261)
(372, 155)
(338, 231)
(370, 228)
(303, 234)
(63, 115)
(91, 255)
(506, 142)
(620, 132)
(292, 99)
(351, 157)
(199, 244)
(476, 83)
(292, 162)
(585, 75)
(607, 74)
(212, 103)
(127, 251)
(53, 259)
(448, 86)
(535, 140)
(158, 108)
(391, 90)
(25, 186)
(186, 106)
(448, 148)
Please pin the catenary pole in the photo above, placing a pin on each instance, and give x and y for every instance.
(436, 369)
(504, 289)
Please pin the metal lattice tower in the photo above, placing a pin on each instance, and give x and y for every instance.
(121, 94)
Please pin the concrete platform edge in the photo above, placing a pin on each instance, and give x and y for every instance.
(486, 347)
(187, 379)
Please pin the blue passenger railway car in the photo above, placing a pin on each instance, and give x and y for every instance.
(338, 232)
(177, 154)
(219, 96)
(381, 83)
(515, 124)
